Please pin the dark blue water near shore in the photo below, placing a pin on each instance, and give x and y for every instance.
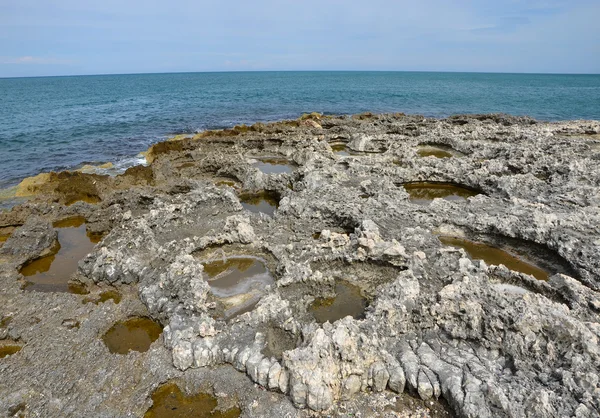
(57, 123)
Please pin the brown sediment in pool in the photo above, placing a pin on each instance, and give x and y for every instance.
(496, 256)
(95, 237)
(236, 264)
(436, 150)
(338, 147)
(73, 222)
(9, 347)
(5, 234)
(423, 193)
(78, 288)
(52, 273)
(342, 150)
(105, 296)
(134, 334)
(238, 282)
(274, 165)
(229, 183)
(168, 401)
(348, 300)
(226, 180)
(5, 321)
(185, 165)
(260, 202)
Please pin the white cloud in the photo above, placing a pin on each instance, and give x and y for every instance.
(28, 59)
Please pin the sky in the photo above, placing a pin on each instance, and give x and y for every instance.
(68, 37)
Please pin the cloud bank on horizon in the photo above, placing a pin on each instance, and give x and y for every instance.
(63, 37)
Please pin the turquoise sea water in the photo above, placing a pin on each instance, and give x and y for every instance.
(55, 123)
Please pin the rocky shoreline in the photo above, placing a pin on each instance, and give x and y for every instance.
(323, 209)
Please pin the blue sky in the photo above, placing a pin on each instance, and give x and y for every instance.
(63, 37)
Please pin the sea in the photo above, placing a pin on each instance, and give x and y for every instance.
(58, 123)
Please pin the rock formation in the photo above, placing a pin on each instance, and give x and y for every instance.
(440, 325)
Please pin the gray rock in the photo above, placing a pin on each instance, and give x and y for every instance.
(397, 380)
(253, 365)
(350, 387)
(378, 376)
(35, 239)
(319, 397)
(489, 340)
(183, 355)
(242, 359)
(274, 375)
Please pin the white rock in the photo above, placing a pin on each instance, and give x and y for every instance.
(319, 397)
(183, 356)
(263, 372)
(241, 359)
(274, 374)
(350, 387)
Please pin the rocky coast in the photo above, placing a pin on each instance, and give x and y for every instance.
(370, 265)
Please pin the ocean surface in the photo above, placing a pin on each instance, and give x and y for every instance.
(57, 123)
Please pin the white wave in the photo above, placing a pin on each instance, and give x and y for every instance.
(116, 168)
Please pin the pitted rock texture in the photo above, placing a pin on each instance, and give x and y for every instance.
(439, 325)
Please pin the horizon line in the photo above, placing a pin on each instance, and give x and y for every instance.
(295, 71)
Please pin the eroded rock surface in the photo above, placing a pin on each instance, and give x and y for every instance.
(439, 325)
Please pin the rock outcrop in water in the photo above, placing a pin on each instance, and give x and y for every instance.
(437, 324)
